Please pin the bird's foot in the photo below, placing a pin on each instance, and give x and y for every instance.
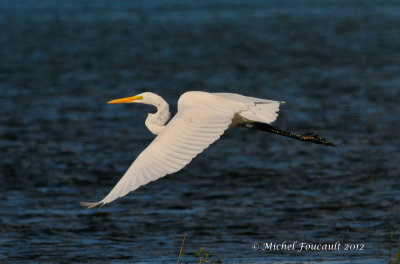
(315, 138)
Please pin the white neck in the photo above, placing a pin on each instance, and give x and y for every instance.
(156, 122)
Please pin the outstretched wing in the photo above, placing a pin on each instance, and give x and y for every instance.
(191, 131)
(202, 118)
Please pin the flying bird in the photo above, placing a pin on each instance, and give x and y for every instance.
(201, 119)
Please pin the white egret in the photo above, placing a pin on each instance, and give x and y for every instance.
(201, 119)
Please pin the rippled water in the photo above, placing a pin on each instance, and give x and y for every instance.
(335, 63)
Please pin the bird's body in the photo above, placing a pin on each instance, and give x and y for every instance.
(201, 119)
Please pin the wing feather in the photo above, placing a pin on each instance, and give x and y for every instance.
(260, 110)
(201, 119)
(187, 135)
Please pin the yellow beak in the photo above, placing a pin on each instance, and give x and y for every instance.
(126, 99)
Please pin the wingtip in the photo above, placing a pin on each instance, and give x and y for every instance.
(90, 205)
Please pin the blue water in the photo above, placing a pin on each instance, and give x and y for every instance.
(334, 63)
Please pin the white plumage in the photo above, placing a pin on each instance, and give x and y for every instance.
(201, 119)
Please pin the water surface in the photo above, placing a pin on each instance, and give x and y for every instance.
(335, 63)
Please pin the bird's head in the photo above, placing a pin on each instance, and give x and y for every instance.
(144, 98)
(155, 122)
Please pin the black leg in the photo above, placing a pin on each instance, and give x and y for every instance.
(310, 137)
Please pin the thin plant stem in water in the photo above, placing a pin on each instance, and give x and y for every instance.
(396, 259)
(390, 247)
(180, 252)
(398, 253)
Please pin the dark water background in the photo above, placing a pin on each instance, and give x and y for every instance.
(335, 63)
